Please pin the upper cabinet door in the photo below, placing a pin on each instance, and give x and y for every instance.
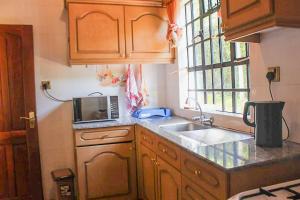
(146, 29)
(96, 32)
(241, 12)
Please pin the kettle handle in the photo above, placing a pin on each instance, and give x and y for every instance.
(246, 109)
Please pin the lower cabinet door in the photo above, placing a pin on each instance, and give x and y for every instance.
(191, 191)
(147, 173)
(106, 172)
(168, 181)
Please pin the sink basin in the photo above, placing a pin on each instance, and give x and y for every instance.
(184, 127)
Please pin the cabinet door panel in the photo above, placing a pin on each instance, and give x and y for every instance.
(147, 159)
(240, 12)
(106, 171)
(168, 181)
(146, 30)
(96, 31)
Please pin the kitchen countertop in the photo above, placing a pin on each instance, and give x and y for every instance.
(228, 155)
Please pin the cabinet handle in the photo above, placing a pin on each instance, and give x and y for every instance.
(144, 137)
(153, 159)
(164, 150)
(197, 172)
(128, 55)
(157, 163)
(122, 55)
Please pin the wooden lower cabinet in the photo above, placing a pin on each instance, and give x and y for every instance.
(107, 172)
(168, 181)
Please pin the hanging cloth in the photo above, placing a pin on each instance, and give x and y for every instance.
(142, 88)
(174, 31)
(131, 90)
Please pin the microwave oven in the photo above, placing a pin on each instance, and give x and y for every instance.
(91, 109)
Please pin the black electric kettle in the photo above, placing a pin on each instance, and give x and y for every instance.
(267, 122)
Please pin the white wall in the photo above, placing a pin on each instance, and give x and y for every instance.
(279, 48)
(49, 19)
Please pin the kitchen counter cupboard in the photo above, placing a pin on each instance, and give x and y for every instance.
(102, 33)
(152, 164)
(167, 170)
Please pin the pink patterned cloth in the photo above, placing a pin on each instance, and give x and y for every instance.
(133, 95)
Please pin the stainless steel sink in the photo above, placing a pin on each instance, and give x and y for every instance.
(184, 127)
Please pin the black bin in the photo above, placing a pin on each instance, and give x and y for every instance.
(64, 179)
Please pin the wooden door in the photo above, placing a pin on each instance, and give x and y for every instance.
(107, 172)
(236, 13)
(146, 29)
(148, 173)
(20, 175)
(168, 181)
(96, 32)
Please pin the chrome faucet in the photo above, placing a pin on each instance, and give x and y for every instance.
(202, 118)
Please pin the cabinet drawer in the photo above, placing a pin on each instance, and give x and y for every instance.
(191, 191)
(104, 135)
(169, 152)
(205, 175)
(147, 138)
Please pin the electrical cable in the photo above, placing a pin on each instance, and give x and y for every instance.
(48, 95)
(284, 120)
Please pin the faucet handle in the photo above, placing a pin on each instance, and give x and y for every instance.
(196, 118)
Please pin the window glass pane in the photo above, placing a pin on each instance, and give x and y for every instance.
(205, 5)
(206, 33)
(216, 50)
(196, 8)
(214, 24)
(214, 3)
(241, 98)
(192, 95)
(240, 50)
(191, 80)
(225, 50)
(218, 100)
(199, 75)
(198, 54)
(208, 79)
(217, 78)
(191, 56)
(209, 97)
(228, 101)
(207, 52)
(240, 73)
(196, 31)
(200, 97)
(188, 12)
(189, 34)
(227, 81)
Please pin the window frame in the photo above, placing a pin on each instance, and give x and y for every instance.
(232, 63)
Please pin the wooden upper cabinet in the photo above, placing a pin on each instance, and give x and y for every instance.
(96, 32)
(242, 19)
(146, 30)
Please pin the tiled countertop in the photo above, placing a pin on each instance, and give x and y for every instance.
(229, 155)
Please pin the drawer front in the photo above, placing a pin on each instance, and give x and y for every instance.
(191, 191)
(169, 152)
(205, 175)
(147, 138)
(104, 135)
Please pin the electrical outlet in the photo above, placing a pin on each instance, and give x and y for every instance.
(46, 85)
(276, 71)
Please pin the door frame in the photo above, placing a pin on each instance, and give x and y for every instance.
(32, 140)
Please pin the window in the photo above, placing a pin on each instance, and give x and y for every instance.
(218, 70)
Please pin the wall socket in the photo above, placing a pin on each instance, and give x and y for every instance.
(276, 71)
(46, 85)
